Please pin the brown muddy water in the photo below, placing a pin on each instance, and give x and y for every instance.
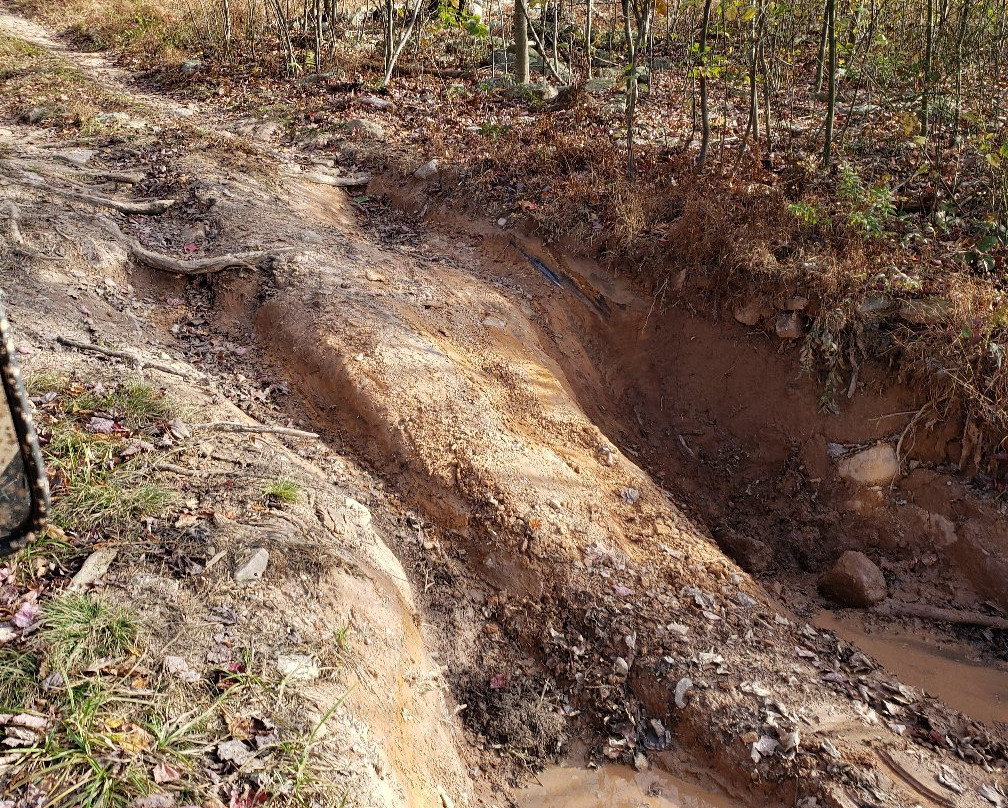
(615, 787)
(947, 670)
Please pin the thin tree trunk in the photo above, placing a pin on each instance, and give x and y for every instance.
(704, 106)
(403, 39)
(521, 43)
(925, 110)
(831, 94)
(588, 36)
(960, 38)
(821, 58)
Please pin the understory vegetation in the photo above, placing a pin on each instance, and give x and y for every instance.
(851, 153)
(91, 712)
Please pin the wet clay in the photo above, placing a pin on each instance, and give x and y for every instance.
(615, 787)
(944, 669)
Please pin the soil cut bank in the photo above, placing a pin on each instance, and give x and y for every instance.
(556, 470)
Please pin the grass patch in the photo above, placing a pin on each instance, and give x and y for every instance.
(12, 47)
(78, 629)
(137, 404)
(18, 680)
(101, 753)
(282, 491)
(93, 490)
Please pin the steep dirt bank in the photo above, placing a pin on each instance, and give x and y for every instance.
(575, 604)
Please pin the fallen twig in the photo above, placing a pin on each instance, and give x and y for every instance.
(199, 266)
(129, 356)
(898, 608)
(234, 426)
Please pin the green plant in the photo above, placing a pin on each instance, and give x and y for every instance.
(78, 629)
(282, 491)
(18, 680)
(136, 403)
(805, 213)
(93, 488)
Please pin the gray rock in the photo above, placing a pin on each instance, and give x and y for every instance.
(926, 312)
(37, 114)
(375, 102)
(365, 128)
(266, 130)
(190, 66)
(428, 169)
(854, 580)
(254, 566)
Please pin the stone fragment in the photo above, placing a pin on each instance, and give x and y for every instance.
(751, 312)
(789, 325)
(428, 169)
(876, 465)
(254, 566)
(854, 580)
(361, 126)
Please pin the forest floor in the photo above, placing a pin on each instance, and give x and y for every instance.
(403, 504)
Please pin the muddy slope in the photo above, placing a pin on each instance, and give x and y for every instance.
(573, 459)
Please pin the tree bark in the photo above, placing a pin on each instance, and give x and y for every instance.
(521, 74)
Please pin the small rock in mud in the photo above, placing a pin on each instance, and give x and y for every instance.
(876, 465)
(360, 126)
(752, 554)
(854, 580)
(428, 169)
(751, 312)
(254, 567)
(789, 325)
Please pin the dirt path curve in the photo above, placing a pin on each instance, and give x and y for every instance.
(95, 65)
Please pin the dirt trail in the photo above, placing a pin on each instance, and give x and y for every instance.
(558, 468)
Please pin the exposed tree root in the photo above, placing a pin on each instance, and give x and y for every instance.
(129, 356)
(234, 426)
(897, 608)
(199, 266)
(13, 220)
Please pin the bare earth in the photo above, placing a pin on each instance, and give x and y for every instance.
(524, 490)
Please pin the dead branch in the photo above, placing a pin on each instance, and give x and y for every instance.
(234, 426)
(196, 267)
(898, 608)
(235, 475)
(130, 356)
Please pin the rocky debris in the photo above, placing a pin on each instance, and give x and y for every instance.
(119, 119)
(925, 312)
(190, 66)
(751, 312)
(96, 565)
(876, 465)
(365, 128)
(854, 580)
(299, 667)
(254, 566)
(796, 303)
(752, 554)
(789, 325)
(266, 130)
(427, 170)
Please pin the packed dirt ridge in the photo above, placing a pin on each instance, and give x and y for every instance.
(539, 517)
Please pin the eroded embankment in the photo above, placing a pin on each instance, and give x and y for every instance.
(516, 397)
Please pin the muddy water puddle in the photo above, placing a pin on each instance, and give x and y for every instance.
(946, 670)
(615, 787)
